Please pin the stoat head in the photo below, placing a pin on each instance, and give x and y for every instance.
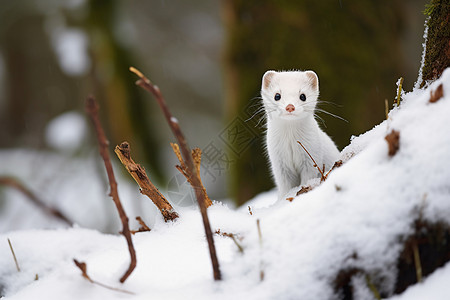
(290, 94)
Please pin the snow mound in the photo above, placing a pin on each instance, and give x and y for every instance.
(353, 226)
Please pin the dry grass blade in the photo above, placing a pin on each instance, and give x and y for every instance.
(261, 265)
(14, 255)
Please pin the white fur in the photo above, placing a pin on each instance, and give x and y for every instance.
(291, 165)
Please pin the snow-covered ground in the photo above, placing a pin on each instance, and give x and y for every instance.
(357, 219)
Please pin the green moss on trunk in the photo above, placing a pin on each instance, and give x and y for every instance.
(437, 55)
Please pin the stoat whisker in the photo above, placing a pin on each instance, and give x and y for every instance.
(258, 111)
(330, 114)
(328, 103)
(321, 120)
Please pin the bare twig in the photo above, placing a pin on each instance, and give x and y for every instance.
(143, 228)
(147, 188)
(14, 255)
(144, 83)
(197, 157)
(315, 164)
(92, 109)
(233, 237)
(336, 165)
(14, 183)
(83, 268)
(250, 210)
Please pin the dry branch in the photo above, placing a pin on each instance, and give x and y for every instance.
(83, 268)
(144, 83)
(233, 237)
(143, 228)
(92, 109)
(14, 183)
(197, 157)
(147, 188)
(322, 178)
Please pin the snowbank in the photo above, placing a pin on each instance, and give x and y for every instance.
(350, 228)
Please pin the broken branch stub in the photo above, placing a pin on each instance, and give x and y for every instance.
(197, 157)
(147, 188)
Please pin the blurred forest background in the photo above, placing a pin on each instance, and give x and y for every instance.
(208, 58)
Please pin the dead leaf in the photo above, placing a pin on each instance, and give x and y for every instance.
(393, 140)
(437, 94)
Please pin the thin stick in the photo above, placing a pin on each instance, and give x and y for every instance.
(417, 262)
(82, 266)
(315, 164)
(92, 109)
(14, 255)
(233, 237)
(144, 83)
(386, 108)
(147, 188)
(399, 91)
(143, 228)
(14, 183)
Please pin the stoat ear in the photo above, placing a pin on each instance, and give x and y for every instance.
(313, 79)
(267, 79)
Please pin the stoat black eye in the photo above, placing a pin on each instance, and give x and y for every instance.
(277, 97)
(303, 97)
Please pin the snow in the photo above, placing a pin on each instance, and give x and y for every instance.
(66, 132)
(356, 219)
(435, 287)
(422, 60)
(71, 46)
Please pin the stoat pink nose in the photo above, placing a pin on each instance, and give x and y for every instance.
(290, 108)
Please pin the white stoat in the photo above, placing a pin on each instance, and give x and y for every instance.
(290, 100)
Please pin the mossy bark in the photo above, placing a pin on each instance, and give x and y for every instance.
(437, 55)
(353, 47)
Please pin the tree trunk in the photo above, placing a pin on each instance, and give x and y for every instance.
(437, 53)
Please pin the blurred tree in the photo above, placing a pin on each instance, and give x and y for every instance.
(354, 47)
(437, 55)
(125, 108)
(36, 89)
